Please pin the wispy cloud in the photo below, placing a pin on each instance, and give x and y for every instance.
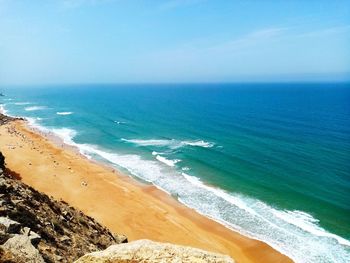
(254, 37)
(256, 52)
(251, 41)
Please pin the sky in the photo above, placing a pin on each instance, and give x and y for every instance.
(171, 41)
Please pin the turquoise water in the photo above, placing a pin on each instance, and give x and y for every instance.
(271, 161)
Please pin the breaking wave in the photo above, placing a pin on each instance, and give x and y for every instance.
(166, 161)
(64, 113)
(172, 144)
(2, 109)
(293, 233)
(22, 103)
(35, 108)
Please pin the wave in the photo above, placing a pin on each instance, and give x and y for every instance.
(35, 108)
(22, 103)
(293, 233)
(64, 113)
(172, 143)
(149, 142)
(308, 223)
(249, 216)
(119, 122)
(199, 143)
(65, 134)
(2, 109)
(34, 122)
(166, 161)
(283, 230)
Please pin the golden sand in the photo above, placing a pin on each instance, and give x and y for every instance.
(117, 201)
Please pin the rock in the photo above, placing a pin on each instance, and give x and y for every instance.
(8, 257)
(4, 236)
(21, 247)
(120, 238)
(65, 239)
(12, 227)
(59, 232)
(6, 119)
(34, 237)
(149, 251)
(2, 161)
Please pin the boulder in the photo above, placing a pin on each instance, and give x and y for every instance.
(120, 238)
(21, 247)
(149, 251)
(34, 237)
(11, 226)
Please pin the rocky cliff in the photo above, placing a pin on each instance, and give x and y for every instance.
(36, 228)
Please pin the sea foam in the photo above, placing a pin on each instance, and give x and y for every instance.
(199, 143)
(166, 161)
(249, 216)
(171, 143)
(22, 103)
(2, 109)
(293, 233)
(308, 223)
(64, 113)
(119, 122)
(65, 134)
(35, 108)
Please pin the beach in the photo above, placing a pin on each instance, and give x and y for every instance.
(117, 201)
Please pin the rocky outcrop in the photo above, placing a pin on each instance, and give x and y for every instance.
(36, 228)
(22, 249)
(2, 162)
(4, 119)
(149, 251)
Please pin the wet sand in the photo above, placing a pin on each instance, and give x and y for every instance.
(117, 201)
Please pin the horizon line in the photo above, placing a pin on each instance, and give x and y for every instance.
(181, 83)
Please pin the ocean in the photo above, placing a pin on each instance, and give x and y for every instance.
(271, 161)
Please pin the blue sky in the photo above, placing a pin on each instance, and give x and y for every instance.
(105, 41)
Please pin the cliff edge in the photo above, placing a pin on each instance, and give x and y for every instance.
(36, 228)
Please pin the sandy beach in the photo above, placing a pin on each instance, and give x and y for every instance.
(117, 201)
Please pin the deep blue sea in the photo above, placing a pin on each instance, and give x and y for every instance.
(271, 161)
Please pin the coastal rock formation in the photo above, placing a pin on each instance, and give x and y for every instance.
(149, 251)
(4, 119)
(22, 250)
(36, 228)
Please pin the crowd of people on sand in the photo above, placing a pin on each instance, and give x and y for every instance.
(12, 131)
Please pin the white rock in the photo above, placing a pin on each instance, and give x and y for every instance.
(155, 252)
(21, 247)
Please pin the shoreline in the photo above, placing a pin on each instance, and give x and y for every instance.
(117, 200)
